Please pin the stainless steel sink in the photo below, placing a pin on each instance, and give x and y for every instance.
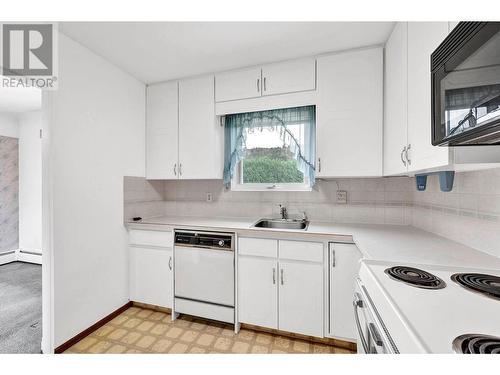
(282, 224)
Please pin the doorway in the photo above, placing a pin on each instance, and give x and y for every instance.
(20, 221)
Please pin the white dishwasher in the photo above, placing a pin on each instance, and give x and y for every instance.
(204, 274)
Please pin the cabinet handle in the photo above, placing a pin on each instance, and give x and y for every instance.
(333, 258)
(180, 169)
(274, 276)
(264, 83)
(319, 164)
(258, 84)
(403, 151)
(282, 276)
(407, 154)
(175, 169)
(170, 263)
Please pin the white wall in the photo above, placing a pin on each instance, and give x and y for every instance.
(8, 125)
(30, 182)
(96, 137)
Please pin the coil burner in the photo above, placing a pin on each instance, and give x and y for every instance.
(487, 285)
(415, 277)
(476, 344)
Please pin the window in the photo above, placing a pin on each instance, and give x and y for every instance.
(272, 150)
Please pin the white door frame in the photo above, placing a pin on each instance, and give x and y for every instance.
(47, 232)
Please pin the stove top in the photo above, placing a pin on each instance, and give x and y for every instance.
(487, 285)
(476, 344)
(420, 320)
(415, 277)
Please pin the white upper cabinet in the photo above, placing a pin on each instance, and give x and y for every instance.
(395, 101)
(407, 126)
(273, 79)
(423, 39)
(162, 131)
(200, 135)
(288, 77)
(349, 114)
(238, 84)
(183, 138)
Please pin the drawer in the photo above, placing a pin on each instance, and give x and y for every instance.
(151, 238)
(258, 246)
(299, 250)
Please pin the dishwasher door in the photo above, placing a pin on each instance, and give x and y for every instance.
(205, 275)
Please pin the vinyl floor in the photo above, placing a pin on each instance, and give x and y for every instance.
(142, 330)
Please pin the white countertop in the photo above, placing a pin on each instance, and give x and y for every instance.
(394, 243)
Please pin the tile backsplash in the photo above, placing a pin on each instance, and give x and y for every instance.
(469, 214)
(376, 200)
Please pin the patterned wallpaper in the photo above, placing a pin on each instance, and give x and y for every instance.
(9, 193)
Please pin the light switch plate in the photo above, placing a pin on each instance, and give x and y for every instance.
(342, 196)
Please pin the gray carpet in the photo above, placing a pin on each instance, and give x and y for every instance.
(20, 308)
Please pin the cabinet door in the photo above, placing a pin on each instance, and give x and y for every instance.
(162, 131)
(287, 77)
(238, 84)
(151, 277)
(343, 269)
(301, 298)
(423, 38)
(395, 101)
(350, 114)
(200, 135)
(258, 291)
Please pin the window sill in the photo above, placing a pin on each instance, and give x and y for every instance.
(271, 188)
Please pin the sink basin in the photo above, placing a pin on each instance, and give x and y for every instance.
(281, 224)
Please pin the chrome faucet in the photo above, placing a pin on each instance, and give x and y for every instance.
(283, 212)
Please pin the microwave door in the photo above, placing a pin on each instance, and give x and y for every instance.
(466, 86)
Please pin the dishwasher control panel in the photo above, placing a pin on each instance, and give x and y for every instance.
(210, 240)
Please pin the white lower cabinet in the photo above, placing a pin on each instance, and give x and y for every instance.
(301, 297)
(257, 291)
(278, 293)
(151, 277)
(151, 267)
(344, 266)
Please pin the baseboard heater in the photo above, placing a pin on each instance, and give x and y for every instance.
(30, 252)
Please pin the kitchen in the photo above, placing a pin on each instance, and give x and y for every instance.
(313, 198)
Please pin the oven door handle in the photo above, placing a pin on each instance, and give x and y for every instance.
(357, 303)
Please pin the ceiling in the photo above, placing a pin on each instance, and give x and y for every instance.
(17, 100)
(160, 51)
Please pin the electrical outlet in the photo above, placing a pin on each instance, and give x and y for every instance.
(209, 197)
(341, 196)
